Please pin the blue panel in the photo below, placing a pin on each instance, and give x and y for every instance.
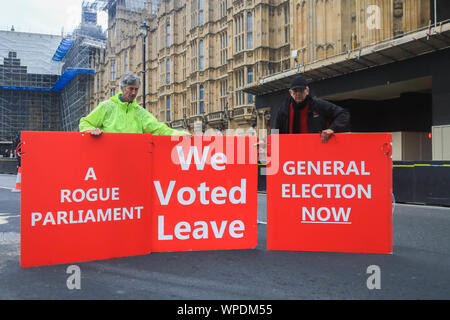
(62, 50)
(68, 75)
(25, 88)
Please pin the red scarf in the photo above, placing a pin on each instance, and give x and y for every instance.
(303, 119)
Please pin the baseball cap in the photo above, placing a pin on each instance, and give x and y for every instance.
(298, 83)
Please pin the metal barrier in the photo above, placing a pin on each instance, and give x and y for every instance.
(424, 182)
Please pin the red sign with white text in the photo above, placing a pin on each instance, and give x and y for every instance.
(333, 197)
(89, 198)
(84, 198)
(204, 193)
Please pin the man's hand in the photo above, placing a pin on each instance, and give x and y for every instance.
(326, 134)
(96, 132)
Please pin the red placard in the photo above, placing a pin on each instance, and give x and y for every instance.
(84, 198)
(89, 198)
(204, 193)
(333, 197)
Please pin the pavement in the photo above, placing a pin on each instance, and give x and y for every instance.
(417, 269)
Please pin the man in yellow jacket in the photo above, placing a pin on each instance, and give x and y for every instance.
(122, 114)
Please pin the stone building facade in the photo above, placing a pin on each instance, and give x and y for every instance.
(202, 54)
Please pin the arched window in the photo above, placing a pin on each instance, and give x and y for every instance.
(168, 33)
(168, 71)
(201, 9)
(249, 30)
(202, 98)
(167, 109)
(201, 55)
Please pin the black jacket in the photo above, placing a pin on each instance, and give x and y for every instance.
(321, 115)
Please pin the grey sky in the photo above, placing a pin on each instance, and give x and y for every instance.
(43, 16)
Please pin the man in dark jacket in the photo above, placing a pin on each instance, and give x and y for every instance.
(302, 113)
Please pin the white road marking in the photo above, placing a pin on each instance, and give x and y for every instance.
(4, 217)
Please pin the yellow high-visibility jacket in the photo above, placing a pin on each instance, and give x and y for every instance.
(114, 115)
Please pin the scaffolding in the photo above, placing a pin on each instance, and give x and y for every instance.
(27, 76)
(88, 26)
(46, 81)
(74, 99)
(75, 94)
(14, 75)
(28, 110)
(83, 52)
(87, 45)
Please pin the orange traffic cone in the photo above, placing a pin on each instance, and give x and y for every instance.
(18, 187)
